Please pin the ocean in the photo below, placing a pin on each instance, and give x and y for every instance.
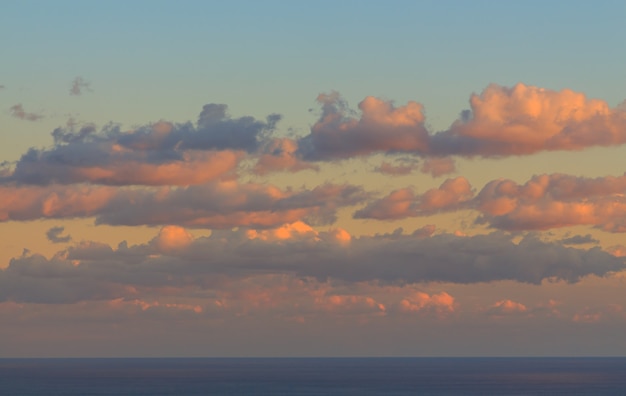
(313, 376)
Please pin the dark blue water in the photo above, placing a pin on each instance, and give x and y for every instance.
(314, 376)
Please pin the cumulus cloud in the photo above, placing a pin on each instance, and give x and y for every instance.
(451, 195)
(79, 85)
(381, 128)
(280, 154)
(157, 154)
(556, 200)
(18, 111)
(172, 238)
(221, 204)
(501, 121)
(54, 235)
(439, 304)
(543, 202)
(175, 260)
(525, 119)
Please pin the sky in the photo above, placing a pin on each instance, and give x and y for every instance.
(355, 178)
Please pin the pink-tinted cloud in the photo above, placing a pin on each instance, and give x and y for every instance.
(172, 238)
(18, 111)
(439, 304)
(452, 194)
(353, 304)
(526, 119)
(502, 121)
(543, 202)
(556, 200)
(281, 155)
(221, 204)
(34, 202)
(507, 307)
(381, 127)
(438, 166)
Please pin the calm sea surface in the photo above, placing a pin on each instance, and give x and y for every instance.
(314, 376)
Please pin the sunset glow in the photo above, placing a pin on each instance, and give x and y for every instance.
(311, 179)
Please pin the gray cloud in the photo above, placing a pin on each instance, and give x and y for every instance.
(79, 85)
(96, 271)
(579, 240)
(382, 128)
(54, 235)
(18, 111)
(185, 153)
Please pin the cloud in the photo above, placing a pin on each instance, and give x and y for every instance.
(525, 119)
(280, 154)
(451, 195)
(438, 166)
(54, 235)
(215, 129)
(438, 304)
(381, 128)
(555, 200)
(579, 240)
(404, 167)
(604, 313)
(501, 121)
(507, 307)
(157, 154)
(220, 204)
(18, 111)
(175, 262)
(79, 85)
(172, 238)
(543, 202)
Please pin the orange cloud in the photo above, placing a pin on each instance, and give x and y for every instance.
(507, 307)
(440, 303)
(31, 202)
(452, 194)
(525, 119)
(221, 204)
(557, 200)
(502, 121)
(172, 238)
(281, 155)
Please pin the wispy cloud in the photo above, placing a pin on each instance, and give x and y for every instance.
(79, 85)
(18, 111)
